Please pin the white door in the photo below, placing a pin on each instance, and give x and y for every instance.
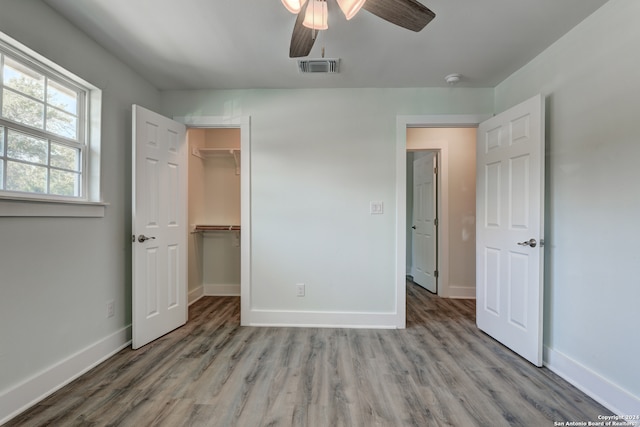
(423, 266)
(159, 226)
(509, 231)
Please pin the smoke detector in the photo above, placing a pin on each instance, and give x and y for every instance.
(453, 79)
(319, 65)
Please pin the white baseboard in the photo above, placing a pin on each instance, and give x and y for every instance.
(222, 290)
(196, 294)
(307, 319)
(600, 389)
(461, 292)
(26, 394)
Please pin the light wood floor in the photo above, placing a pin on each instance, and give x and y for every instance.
(440, 371)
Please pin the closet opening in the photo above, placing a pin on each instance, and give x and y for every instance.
(214, 212)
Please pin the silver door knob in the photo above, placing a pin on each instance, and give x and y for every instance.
(530, 242)
(142, 238)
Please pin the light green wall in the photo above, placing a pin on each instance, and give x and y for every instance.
(56, 274)
(319, 157)
(590, 79)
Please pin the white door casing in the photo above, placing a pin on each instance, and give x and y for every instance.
(510, 212)
(424, 264)
(159, 207)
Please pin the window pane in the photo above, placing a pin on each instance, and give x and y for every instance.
(22, 109)
(23, 79)
(1, 141)
(64, 183)
(61, 123)
(65, 157)
(27, 148)
(62, 97)
(1, 174)
(27, 178)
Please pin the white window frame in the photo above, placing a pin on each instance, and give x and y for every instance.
(90, 203)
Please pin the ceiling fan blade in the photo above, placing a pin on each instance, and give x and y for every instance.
(302, 38)
(409, 14)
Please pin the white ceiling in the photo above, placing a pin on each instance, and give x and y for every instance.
(242, 44)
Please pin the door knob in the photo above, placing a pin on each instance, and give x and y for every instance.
(414, 227)
(142, 238)
(530, 242)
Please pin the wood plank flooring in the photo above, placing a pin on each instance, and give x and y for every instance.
(440, 371)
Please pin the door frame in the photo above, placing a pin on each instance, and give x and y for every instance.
(426, 121)
(244, 124)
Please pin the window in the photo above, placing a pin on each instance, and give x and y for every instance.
(49, 144)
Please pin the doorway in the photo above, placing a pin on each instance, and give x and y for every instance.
(241, 237)
(160, 225)
(525, 131)
(405, 126)
(214, 212)
(455, 251)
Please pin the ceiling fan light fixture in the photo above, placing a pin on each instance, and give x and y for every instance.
(350, 7)
(316, 15)
(294, 6)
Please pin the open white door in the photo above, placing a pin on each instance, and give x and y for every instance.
(159, 225)
(423, 266)
(509, 231)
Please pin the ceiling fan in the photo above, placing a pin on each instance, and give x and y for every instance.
(312, 16)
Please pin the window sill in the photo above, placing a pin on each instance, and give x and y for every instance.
(28, 207)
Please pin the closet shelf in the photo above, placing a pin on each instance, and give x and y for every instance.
(206, 153)
(201, 228)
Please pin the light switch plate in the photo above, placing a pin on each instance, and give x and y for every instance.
(376, 208)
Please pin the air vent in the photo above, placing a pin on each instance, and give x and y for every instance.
(319, 65)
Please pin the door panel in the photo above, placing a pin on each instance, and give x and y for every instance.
(518, 283)
(492, 275)
(151, 281)
(510, 206)
(519, 188)
(160, 214)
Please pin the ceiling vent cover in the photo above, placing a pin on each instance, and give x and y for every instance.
(319, 65)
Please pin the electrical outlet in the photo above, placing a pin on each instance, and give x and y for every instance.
(300, 289)
(111, 308)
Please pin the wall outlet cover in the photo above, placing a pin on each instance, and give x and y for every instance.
(111, 309)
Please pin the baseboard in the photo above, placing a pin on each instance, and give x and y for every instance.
(600, 389)
(26, 394)
(307, 319)
(196, 294)
(222, 290)
(461, 292)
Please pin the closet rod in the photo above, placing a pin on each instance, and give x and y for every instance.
(202, 228)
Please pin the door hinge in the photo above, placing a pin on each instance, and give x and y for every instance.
(435, 273)
(435, 170)
(133, 238)
(435, 222)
